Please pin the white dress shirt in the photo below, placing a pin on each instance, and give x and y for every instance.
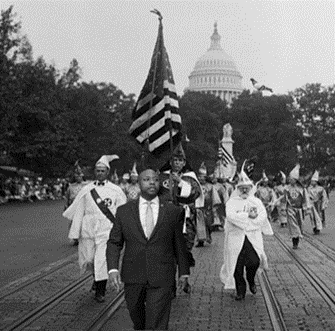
(143, 205)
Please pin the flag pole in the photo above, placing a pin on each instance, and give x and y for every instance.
(219, 160)
(146, 152)
(160, 17)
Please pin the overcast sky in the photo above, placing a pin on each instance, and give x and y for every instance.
(283, 44)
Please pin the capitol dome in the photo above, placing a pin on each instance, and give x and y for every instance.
(216, 73)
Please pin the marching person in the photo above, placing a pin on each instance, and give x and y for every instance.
(280, 199)
(319, 201)
(115, 178)
(266, 194)
(243, 244)
(133, 191)
(297, 202)
(186, 192)
(92, 215)
(151, 232)
(220, 196)
(124, 185)
(77, 183)
(204, 213)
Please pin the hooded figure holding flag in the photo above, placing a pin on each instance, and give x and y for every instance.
(243, 244)
(92, 215)
(297, 203)
(319, 200)
(186, 191)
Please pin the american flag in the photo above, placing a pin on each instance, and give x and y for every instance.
(224, 155)
(156, 111)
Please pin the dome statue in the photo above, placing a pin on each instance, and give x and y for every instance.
(215, 72)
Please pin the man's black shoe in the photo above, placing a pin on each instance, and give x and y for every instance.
(94, 286)
(187, 288)
(200, 244)
(191, 260)
(99, 298)
(253, 288)
(239, 297)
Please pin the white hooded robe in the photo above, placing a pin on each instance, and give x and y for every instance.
(237, 226)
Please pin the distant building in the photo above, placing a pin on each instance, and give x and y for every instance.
(216, 73)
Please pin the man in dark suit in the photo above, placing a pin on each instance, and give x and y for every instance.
(152, 233)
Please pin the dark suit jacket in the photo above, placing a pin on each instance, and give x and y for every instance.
(154, 260)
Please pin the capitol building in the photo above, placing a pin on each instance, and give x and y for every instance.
(215, 72)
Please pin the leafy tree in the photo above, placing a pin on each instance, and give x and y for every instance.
(203, 117)
(14, 50)
(314, 111)
(264, 127)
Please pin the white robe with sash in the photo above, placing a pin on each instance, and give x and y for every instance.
(92, 227)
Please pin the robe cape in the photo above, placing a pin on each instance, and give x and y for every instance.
(237, 226)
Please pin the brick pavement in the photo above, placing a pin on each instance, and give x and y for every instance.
(208, 307)
(302, 306)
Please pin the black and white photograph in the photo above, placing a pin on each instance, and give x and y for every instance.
(167, 165)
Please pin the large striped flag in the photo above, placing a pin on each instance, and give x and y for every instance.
(156, 115)
(224, 155)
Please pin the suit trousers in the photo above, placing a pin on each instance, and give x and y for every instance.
(149, 307)
(249, 260)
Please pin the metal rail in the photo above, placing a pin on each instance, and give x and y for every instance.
(24, 321)
(108, 311)
(276, 316)
(329, 252)
(5, 293)
(325, 292)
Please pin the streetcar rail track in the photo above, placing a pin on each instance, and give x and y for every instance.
(107, 313)
(7, 292)
(329, 252)
(275, 313)
(30, 317)
(325, 292)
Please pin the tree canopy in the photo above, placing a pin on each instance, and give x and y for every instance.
(50, 118)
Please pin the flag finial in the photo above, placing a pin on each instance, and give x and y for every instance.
(158, 13)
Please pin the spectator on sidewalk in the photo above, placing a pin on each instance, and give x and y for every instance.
(243, 244)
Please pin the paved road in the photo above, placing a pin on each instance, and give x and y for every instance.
(32, 236)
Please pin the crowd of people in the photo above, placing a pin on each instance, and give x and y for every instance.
(158, 217)
(31, 189)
